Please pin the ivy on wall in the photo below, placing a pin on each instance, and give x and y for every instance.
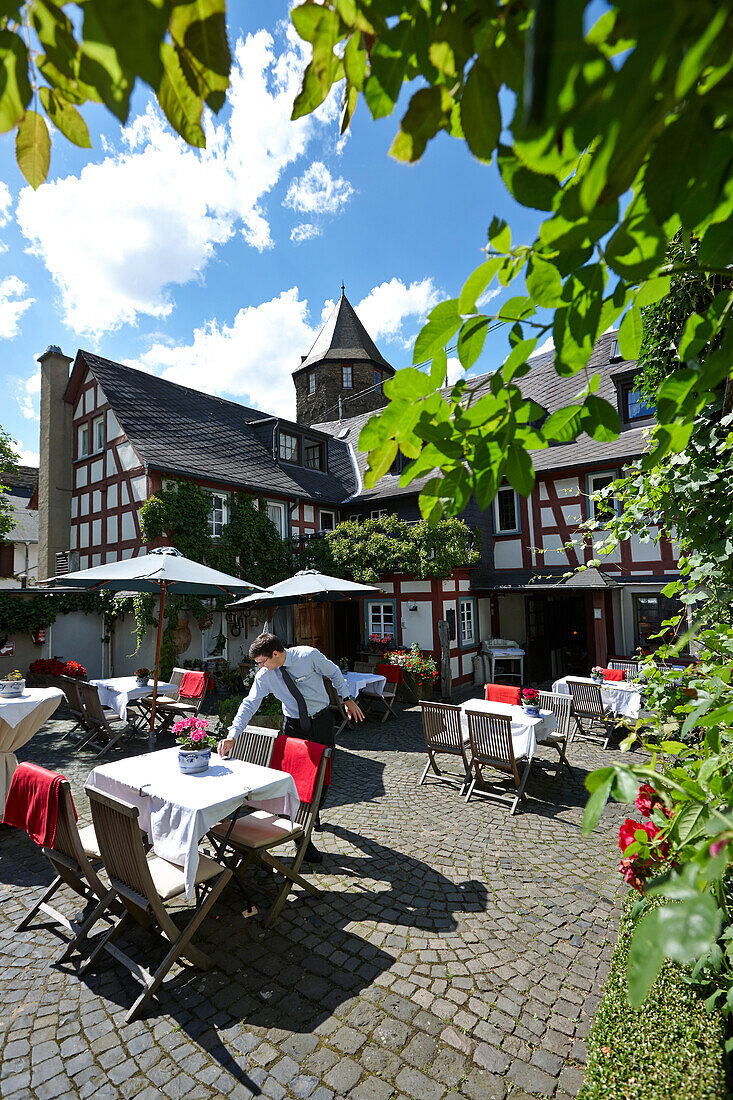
(27, 614)
(367, 549)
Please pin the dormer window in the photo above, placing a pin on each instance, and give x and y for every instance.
(314, 456)
(615, 356)
(289, 447)
(633, 405)
(347, 376)
(377, 381)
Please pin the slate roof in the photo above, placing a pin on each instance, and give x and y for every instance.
(343, 337)
(546, 580)
(23, 483)
(182, 431)
(25, 522)
(544, 386)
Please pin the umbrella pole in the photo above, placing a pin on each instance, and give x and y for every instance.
(151, 734)
(313, 633)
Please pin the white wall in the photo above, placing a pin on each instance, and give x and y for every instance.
(78, 637)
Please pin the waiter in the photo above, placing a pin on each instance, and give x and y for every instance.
(295, 676)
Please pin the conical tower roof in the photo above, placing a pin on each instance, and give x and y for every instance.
(343, 337)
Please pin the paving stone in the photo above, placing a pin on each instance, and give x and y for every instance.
(344, 1075)
(414, 1083)
(531, 1078)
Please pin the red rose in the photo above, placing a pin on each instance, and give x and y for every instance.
(645, 799)
(629, 829)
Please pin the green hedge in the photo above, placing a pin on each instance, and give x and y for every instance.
(670, 1049)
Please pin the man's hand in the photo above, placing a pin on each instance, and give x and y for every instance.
(225, 747)
(354, 711)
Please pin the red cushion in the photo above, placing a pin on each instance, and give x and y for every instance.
(502, 693)
(391, 673)
(614, 674)
(33, 803)
(300, 758)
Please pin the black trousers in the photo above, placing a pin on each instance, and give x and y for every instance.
(322, 731)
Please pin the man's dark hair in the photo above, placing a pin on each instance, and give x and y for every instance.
(265, 645)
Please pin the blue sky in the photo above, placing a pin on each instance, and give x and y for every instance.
(216, 268)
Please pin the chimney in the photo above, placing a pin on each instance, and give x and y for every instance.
(55, 467)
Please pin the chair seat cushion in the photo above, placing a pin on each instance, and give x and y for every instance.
(88, 839)
(175, 705)
(258, 830)
(168, 878)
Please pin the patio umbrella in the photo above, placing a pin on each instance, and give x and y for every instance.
(163, 570)
(307, 586)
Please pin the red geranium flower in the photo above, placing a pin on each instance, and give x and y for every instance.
(629, 829)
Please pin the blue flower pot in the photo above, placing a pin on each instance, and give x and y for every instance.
(533, 712)
(191, 761)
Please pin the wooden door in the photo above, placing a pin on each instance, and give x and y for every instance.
(302, 625)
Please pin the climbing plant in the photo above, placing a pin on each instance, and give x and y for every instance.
(367, 549)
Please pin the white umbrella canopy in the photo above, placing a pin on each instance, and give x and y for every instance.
(164, 570)
(307, 586)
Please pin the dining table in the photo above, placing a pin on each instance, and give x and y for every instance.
(21, 716)
(622, 699)
(365, 681)
(177, 810)
(527, 729)
(115, 692)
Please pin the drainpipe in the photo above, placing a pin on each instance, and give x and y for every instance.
(341, 409)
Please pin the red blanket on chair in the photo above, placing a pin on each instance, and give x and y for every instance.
(503, 693)
(193, 685)
(33, 803)
(300, 759)
(614, 674)
(392, 673)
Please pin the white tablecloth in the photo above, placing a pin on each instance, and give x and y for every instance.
(19, 719)
(117, 691)
(526, 730)
(620, 698)
(371, 681)
(177, 810)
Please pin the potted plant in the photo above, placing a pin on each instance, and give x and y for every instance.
(194, 744)
(419, 672)
(530, 701)
(142, 675)
(596, 674)
(12, 685)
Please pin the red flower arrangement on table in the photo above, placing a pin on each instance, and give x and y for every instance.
(191, 734)
(51, 666)
(643, 838)
(530, 697)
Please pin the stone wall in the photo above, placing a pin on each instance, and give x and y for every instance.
(323, 405)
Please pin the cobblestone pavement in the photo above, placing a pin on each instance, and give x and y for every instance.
(456, 952)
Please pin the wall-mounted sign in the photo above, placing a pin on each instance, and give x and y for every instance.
(7, 649)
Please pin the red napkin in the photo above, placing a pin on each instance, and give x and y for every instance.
(502, 693)
(33, 803)
(614, 674)
(192, 685)
(391, 673)
(300, 759)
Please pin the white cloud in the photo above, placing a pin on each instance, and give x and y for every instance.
(385, 309)
(252, 359)
(12, 305)
(120, 235)
(26, 457)
(487, 296)
(547, 345)
(5, 201)
(455, 370)
(29, 394)
(317, 192)
(305, 232)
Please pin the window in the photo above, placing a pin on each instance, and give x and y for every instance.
(219, 515)
(288, 447)
(398, 465)
(377, 381)
(506, 512)
(314, 456)
(276, 512)
(347, 376)
(598, 509)
(326, 520)
(649, 614)
(98, 433)
(380, 619)
(615, 355)
(82, 437)
(311, 382)
(467, 615)
(377, 513)
(633, 405)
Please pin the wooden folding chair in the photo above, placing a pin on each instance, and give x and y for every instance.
(143, 885)
(75, 705)
(254, 744)
(141, 707)
(561, 738)
(253, 837)
(362, 666)
(441, 723)
(102, 734)
(631, 668)
(393, 676)
(169, 710)
(72, 857)
(490, 738)
(588, 708)
(339, 710)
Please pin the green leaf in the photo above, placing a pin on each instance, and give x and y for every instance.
(716, 247)
(601, 421)
(652, 290)
(599, 797)
(199, 30)
(33, 148)
(443, 321)
(543, 282)
(564, 425)
(476, 284)
(480, 113)
(471, 340)
(311, 94)
(695, 335)
(636, 248)
(15, 88)
(409, 383)
(355, 61)
(683, 932)
(630, 333)
(519, 470)
(136, 31)
(101, 67)
(306, 18)
(527, 187)
(66, 117)
(426, 114)
(182, 107)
